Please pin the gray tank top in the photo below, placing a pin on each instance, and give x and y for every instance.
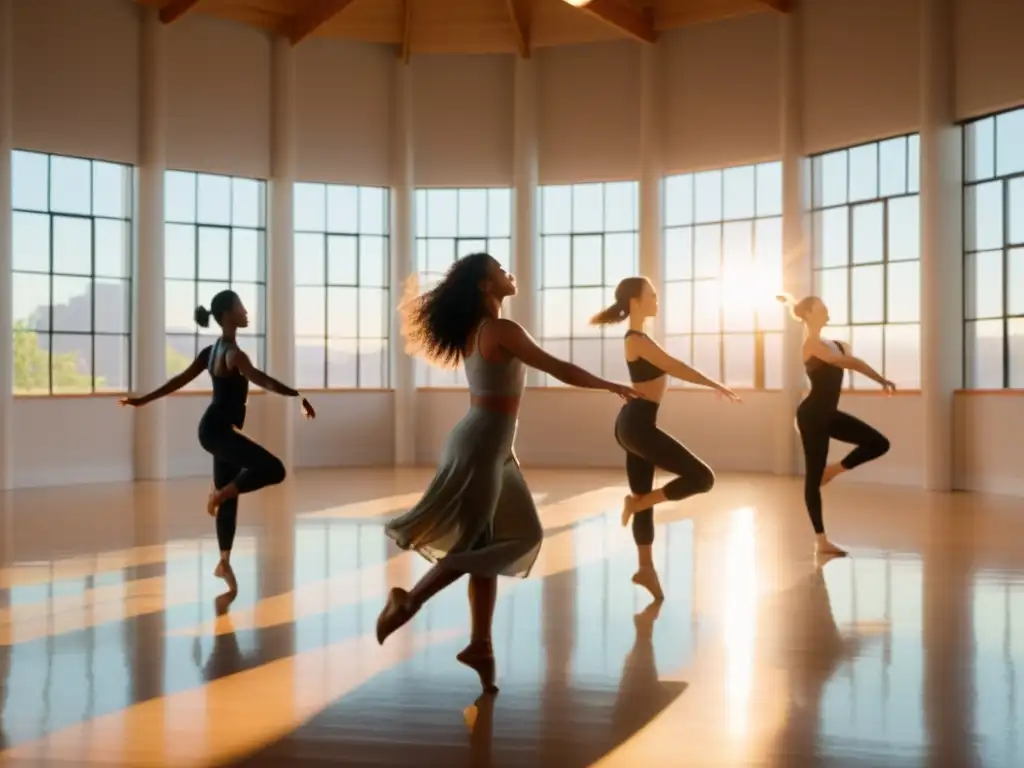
(504, 379)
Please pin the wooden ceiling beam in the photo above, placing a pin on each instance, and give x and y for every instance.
(782, 6)
(175, 9)
(625, 18)
(303, 25)
(405, 51)
(520, 12)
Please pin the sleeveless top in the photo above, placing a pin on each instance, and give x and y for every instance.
(486, 378)
(231, 390)
(826, 379)
(641, 370)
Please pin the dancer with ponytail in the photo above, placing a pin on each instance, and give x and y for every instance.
(240, 465)
(636, 430)
(818, 418)
(477, 516)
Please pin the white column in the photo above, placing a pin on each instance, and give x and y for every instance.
(280, 317)
(796, 273)
(6, 288)
(403, 263)
(650, 172)
(149, 339)
(525, 199)
(941, 240)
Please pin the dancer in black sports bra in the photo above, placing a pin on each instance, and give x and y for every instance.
(818, 417)
(240, 465)
(636, 430)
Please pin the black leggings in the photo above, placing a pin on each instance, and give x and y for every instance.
(817, 426)
(239, 459)
(648, 448)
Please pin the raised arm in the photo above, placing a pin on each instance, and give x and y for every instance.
(650, 350)
(514, 339)
(824, 352)
(175, 383)
(240, 361)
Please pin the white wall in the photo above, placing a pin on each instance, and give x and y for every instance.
(77, 92)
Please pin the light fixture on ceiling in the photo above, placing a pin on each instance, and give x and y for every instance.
(578, 3)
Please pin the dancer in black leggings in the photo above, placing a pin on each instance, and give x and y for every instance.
(818, 418)
(240, 465)
(636, 430)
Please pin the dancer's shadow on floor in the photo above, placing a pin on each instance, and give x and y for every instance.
(641, 698)
(810, 647)
(547, 713)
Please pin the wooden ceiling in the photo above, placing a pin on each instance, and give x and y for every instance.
(468, 26)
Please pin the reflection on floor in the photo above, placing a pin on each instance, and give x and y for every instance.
(114, 649)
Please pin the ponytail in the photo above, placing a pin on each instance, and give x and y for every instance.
(202, 317)
(616, 313)
(629, 288)
(797, 309)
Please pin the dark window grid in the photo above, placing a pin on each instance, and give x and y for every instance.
(994, 116)
(725, 219)
(572, 231)
(359, 288)
(849, 233)
(1005, 317)
(92, 294)
(458, 237)
(573, 287)
(359, 203)
(572, 234)
(429, 275)
(261, 273)
(261, 184)
(129, 196)
(878, 172)
(759, 333)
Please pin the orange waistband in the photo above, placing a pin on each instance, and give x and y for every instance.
(500, 403)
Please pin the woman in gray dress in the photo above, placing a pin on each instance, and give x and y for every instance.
(477, 516)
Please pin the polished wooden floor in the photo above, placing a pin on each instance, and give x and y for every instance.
(115, 649)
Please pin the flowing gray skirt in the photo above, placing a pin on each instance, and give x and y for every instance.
(477, 515)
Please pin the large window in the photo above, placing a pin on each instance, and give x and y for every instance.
(723, 269)
(215, 238)
(865, 244)
(994, 252)
(589, 242)
(342, 274)
(72, 275)
(451, 223)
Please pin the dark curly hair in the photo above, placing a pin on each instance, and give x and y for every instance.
(436, 324)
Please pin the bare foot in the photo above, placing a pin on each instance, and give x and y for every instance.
(825, 548)
(832, 471)
(396, 612)
(212, 503)
(226, 572)
(479, 656)
(647, 578)
(629, 508)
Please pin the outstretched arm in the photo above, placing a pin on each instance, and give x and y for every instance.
(240, 361)
(821, 350)
(175, 383)
(650, 350)
(514, 339)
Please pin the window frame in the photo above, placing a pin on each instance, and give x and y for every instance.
(259, 334)
(424, 371)
(129, 223)
(1004, 180)
(386, 289)
(571, 234)
(758, 332)
(851, 380)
